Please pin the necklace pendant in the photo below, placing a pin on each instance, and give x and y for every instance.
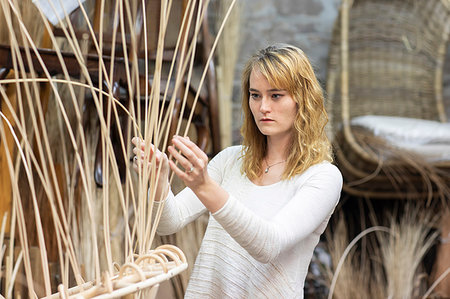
(266, 170)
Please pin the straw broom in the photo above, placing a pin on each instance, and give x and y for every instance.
(138, 234)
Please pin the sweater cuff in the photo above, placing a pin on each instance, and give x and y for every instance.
(157, 203)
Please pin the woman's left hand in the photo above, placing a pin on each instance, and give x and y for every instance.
(193, 162)
(194, 173)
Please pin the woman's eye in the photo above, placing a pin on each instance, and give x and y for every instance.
(276, 96)
(254, 95)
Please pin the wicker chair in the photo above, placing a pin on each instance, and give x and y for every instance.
(386, 58)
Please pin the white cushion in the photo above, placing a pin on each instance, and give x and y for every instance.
(429, 138)
(52, 13)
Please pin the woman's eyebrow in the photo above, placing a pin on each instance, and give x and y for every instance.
(270, 90)
(276, 89)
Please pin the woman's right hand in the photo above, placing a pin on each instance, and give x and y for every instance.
(161, 161)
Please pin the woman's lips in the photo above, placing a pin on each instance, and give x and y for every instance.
(265, 120)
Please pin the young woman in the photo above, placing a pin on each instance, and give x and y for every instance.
(269, 199)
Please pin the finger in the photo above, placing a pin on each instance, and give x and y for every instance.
(139, 143)
(181, 174)
(192, 146)
(139, 164)
(180, 158)
(185, 157)
(136, 140)
(141, 158)
(201, 159)
(136, 166)
(160, 157)
(185, 150)
(150, 149)
(138, 153)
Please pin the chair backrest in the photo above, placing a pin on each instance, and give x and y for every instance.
(153, 24)
(386, 58)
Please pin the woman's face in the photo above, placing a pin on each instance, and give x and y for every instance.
(273, 109)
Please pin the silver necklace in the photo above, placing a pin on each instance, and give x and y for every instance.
(268, 166)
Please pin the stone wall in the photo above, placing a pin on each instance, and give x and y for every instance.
(306, 24)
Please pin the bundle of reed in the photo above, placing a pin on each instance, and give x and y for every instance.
(392, 267)
(403, 251)
(353, 274)
(56, 206)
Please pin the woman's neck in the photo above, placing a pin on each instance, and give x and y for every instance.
(273, 166)
(277, 148)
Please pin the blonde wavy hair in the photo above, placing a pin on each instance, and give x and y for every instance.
(286, 67)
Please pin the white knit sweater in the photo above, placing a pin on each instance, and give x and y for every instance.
(260, 243)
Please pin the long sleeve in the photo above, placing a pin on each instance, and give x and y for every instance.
(178, 211)
(185, 207)
(307, 212)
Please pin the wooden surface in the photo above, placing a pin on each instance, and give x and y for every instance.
(5, 180)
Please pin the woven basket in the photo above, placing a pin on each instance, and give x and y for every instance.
(386, 58)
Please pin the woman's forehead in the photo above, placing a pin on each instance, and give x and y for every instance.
(260, 76)
(259, 80)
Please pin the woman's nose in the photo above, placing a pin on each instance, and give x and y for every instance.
(265, 105)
